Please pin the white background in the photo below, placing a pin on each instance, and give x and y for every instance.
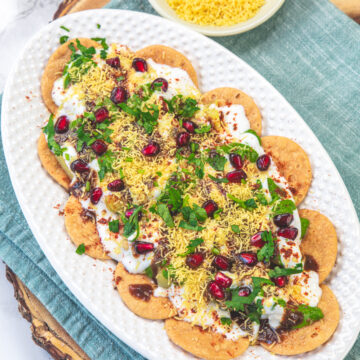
(19, 20)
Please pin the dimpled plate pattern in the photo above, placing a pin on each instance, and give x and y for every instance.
(91, 281)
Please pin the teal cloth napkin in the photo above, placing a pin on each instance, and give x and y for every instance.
(310, 52)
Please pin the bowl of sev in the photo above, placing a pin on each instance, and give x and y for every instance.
(218, 17)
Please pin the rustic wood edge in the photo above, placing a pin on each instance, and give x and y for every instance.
(46, 331)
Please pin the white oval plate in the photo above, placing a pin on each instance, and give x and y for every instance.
(24, 113)
(265, 12)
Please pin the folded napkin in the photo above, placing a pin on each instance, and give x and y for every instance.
(310, 52)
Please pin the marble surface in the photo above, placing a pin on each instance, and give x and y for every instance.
(20, 19)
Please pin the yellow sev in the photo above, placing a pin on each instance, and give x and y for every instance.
(217, 12)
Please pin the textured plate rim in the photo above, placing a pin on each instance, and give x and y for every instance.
(42, 240)
(221, 31)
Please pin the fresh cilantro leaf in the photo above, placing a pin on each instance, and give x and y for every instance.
(49, 130)
(80, 249)
(191, 247)
(255, 311)
(237, 302)
(87, 185)
(64, 28)
(204, 129)
(285, 272)
(200, 213)
(280, 302)
(114, 226)
(304, 226)
(164, 213)
(105, 164)
(98, 26)
(249, 204)
(251, 131)
(311, 314)
(87, 52)
(63, 39)
(189, 226)
(183, 109)
(235, 229)
(283, 207)
(149, 272)
(267, 251)
(218, 180)
(131, 225)
(226, 321)
(245, 151)
(217, 161)
(273, 188)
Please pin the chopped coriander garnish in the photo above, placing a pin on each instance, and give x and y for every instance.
(114, 226)
(283, 207)
(159, 173)
(311, 314)
(235, 229)
(49, 130)
(226, 321)
(64, 28)
(87, 186)
(98, 26)
(149, 272)
(131, 225)
(251, 131)
(192, 246)
(120, 78)
(267, 251)
(304, 226)
(67, 157)
(218, 180)
(217, 161)
(128, 159)
(215, 251)
(249, 204)
(274, 273)
(63, 39)
(204, 129)
(80, 249)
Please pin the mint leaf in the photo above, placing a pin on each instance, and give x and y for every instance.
(226, 321)
(191, 247)
(304, 226)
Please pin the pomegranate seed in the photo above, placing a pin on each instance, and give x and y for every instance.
(189, 126)
(283, 220)
(182, 139)
(288, 233)
(210, 207)
(116, 185)
(263, 162)
(280, 281)
(101, 114)
(62, 124)
(96, 195)
(113, 62)
(193, 261)
(223, 280)
(79, 166)
(221, 262)
(256, 240)
(236, 176)
(129, 212)
(216, 291)
(118, 95)
(151, 149)
(244, 291)
(139, 65)
(99, 147)
(236, 161)
(143, 247)
(164, 85)
(248, 258)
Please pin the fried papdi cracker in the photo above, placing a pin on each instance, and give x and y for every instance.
(226, 95)
(82, 229)
(148, 307)
(310, 337)
(320, 242)
(166, 55)
(50, 164)
(55, 67)
(292, 163)
(204, 343)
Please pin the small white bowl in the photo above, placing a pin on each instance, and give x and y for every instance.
(266, 11)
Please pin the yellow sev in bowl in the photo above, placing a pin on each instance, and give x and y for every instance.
(216, 12)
